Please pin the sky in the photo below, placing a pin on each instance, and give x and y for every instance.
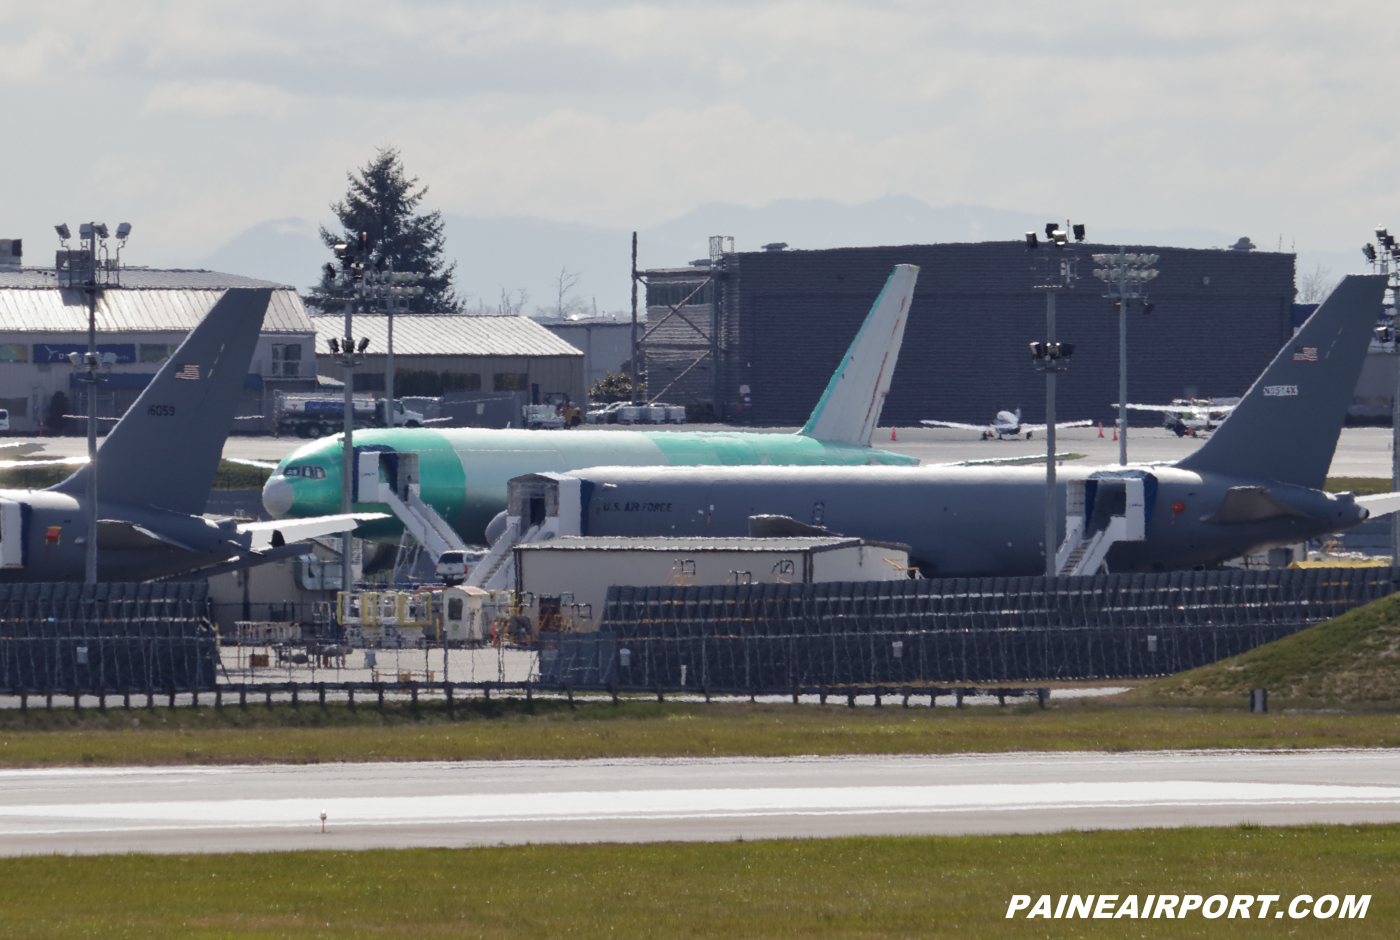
(197, 122)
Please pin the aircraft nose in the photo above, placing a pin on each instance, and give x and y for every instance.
(278, 496)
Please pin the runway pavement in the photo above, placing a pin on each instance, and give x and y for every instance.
(212, 809)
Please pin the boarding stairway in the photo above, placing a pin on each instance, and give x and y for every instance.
(1100, 512)
(391, 478)
(539, 507)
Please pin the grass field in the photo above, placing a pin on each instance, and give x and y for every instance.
(858, 888)
(1361, 486)
(549, 729)
(1352, 660)
(230, 476)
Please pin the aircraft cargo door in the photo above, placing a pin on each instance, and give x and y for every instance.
(14, 526)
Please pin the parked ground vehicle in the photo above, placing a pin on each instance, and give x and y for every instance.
(621, 412)
(322, 415)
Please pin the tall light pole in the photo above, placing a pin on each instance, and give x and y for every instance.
(1384, 257)
(1126, 277)
(1054, 271)
(82, 268)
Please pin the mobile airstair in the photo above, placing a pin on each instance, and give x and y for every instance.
(1101, 511)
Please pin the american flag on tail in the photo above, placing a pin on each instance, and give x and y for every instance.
(1305, 354)
(190, 371)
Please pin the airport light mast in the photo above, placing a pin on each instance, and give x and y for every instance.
(349, 277)
(1384, 258)
(1053, 270)
(1126, 276)
(82, 268)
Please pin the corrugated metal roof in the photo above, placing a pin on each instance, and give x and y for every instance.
(606, 543)
(447, 335)
(143, 278)
(129, 309)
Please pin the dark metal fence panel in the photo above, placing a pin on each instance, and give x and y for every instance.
(105, 637)
(780, 636)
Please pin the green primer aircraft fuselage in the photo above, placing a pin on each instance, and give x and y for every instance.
(464, 471)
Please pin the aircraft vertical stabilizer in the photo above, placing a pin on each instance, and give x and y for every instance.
(849, 409)
(166, 448)
(1286, 426)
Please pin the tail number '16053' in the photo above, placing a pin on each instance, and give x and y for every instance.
(161, 411)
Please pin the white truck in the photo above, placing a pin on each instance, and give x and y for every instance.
(309, 415)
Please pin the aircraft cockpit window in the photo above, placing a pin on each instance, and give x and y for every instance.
(309, 473)
(291, 471)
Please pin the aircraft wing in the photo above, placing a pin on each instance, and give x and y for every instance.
(1058, 425)
(248, 462)
(1182, 409)
(1379, 504)
(279, 532)
(955, 424)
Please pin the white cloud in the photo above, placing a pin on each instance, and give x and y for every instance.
(1253, 116)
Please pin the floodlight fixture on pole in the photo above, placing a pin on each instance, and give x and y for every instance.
(1054, 268)
(84, 270)
(1126, 276)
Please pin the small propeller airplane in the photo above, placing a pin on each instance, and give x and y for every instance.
(1189, 416)
(1007, 425)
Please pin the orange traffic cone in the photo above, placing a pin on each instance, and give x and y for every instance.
(1115, 432)
(1100, 429)
(893, 435)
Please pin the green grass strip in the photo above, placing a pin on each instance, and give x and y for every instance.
(849, 888)
(550, 729)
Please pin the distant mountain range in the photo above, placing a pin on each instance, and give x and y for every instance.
(513, 254)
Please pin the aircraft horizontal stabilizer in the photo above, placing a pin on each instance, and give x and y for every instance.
(279, 532)
(849, 409)
(1379, 504)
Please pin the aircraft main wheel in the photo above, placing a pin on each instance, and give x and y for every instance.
(1028, 434)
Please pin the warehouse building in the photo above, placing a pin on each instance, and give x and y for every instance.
(606, 342)
(755, 336)
(440, 354)
(140, 324)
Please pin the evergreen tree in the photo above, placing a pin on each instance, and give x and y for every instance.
(381, 201)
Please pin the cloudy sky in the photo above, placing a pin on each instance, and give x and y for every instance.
(197, 121)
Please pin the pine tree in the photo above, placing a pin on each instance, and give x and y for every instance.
(381, 201)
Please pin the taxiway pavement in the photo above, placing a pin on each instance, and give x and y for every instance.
(395, 805)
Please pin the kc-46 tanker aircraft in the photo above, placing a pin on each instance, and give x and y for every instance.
(1256, 484)
(154, 470)
(457, 476)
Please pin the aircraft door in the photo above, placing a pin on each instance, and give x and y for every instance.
(14, 525)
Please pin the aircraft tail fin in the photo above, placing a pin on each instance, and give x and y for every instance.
(849, 409)
(1286, 426)
(165, 450)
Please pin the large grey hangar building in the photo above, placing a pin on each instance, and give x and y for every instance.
(761, 332)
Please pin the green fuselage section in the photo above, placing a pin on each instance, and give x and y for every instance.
(463, 471)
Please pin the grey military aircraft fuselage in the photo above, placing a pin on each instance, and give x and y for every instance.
(965, 521)
(43, 538)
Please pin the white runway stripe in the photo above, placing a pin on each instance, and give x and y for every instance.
(662, 804)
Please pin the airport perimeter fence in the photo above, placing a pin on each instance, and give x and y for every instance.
(59, 637)
(814, 637)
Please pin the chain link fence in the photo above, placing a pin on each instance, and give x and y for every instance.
(779, 637)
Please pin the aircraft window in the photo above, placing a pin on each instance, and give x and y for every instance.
(292, 472)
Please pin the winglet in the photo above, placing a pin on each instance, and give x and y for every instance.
(165, 449)
(1285, 428)
(849, 409)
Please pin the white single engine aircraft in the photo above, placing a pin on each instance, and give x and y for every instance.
(1007, 424)
(1189, 416)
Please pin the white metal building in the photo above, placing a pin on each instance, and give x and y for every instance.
(140, 323)
(439, 353)
(584, 567)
